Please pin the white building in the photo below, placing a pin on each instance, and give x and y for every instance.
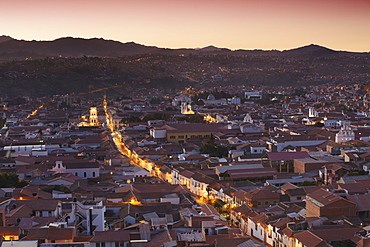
(253, 95)
(345, 134)
(178, 100)
(79, 169)
(89, 216)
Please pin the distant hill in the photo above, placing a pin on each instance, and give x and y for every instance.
(310, 50)
(4, 38)
(11, 49)
(80, 66)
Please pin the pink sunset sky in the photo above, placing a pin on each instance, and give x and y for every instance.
(234, 24)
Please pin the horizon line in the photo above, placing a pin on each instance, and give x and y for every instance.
(179, 48)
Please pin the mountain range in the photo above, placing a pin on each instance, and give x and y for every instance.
(11, 49)
(76, 65)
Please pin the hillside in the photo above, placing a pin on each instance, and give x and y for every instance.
(11, 49)
(70, 65)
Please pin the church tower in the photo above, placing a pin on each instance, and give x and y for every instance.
(94, 116)
(345, 134)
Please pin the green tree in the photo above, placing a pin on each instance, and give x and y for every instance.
(319, 124)
(2, 122)
(61, 188)
(11, 180)
(214, 150)
(307, 183)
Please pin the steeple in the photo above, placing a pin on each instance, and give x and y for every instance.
(345, 134)
(94, 116)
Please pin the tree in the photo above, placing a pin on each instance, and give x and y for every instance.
(319, 124)
(60, 188)
(10, 180)
(307, 183)
(214, 150)
(2, 122)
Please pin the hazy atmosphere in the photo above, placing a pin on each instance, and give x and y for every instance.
(235, 24)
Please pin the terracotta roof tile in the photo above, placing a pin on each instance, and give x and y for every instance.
(325, 197)
(10, 230)
(309, 239)
(160, 238)
(111, 236)
(353, 188)
(262, 194)
(51, 233)
(277, 156)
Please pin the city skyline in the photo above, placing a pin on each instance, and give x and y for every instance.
(267, 25)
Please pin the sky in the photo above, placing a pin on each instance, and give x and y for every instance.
(233, 24)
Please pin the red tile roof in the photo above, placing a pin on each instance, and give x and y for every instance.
(252, 173)
(10, 230)
(325, 197)
(51, 233)
(362, 202)
(111, 236)
(353, 188)
(309, 239)
(337, 234)
(262, 194)
(277, 156)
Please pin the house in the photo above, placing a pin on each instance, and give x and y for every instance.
(363, 205)
(117, 159)
(79, 169)
(259, 198)
(38, 208)
(283, 161)
(62, 180)
(307, 238)
(334, 172)
(234, 242)
(199, 184)
(324, 203)
(335, 236)
(153, 193)
(10, 232)
(51, 235)
(88, 216)
(353, 188)
(257, 225)
(179, 133)
(111, 238)
(258, 174)
(308, 164)
(296, 195)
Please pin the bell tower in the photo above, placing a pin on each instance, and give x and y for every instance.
(94, 116)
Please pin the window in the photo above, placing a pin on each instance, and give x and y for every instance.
(76, 174)
(266, 203)
(299, 198)
(180, 137)
(172, 137)
(84, 174)
(259, 203)
(93, 174)
(100, 244)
